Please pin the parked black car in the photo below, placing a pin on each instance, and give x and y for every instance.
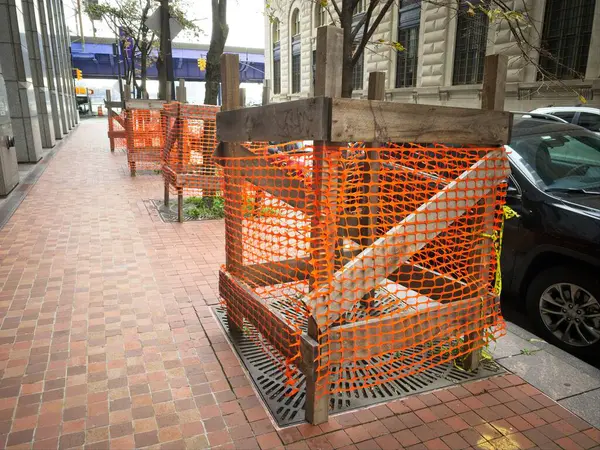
(551, 253)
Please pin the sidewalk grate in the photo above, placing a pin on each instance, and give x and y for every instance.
(168, 214)
(264, 364)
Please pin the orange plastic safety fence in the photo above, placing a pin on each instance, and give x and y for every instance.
(388, 252)
(145, 129)
(189, 145)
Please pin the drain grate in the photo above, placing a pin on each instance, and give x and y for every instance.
(264, 365)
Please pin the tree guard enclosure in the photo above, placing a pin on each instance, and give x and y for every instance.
(190, 142)
(366, 250)
(116, 123)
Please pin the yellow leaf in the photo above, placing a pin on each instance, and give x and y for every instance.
(582, 99)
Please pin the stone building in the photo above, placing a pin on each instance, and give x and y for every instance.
(444, 52)
(37, 99)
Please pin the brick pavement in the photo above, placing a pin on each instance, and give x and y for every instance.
(107, 340)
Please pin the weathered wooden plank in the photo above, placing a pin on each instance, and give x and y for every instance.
(385, 255)
(112, 104)
(245, 304)
(200, 180)
(367, 121)
(402, 330)
(233, 185)
(305, 119)
(144, 104)
(429, 283)
(117, 134)
(494, 82)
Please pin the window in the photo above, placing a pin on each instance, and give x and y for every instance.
(276, 58)
(358, 71)
(295, 22)
(471, 39)
(360, 7)
(589, 121)
(320, 16)
(565, 115)
(408, 35)
(295, 27)
(566, 37)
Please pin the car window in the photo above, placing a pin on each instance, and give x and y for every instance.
(561, 159)
(565, 115)
(589, 121)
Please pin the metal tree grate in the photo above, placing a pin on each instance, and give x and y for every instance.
(168, 214)
(264, 364)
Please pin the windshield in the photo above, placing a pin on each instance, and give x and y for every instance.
(561, 160)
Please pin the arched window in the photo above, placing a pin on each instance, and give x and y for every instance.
(295, 43)
(360, 7)
(320, 15)
(276, 58)
(296, 22)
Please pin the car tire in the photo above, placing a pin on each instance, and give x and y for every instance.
(546, 282)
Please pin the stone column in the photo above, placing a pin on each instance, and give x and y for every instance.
(37, 60)
(50, 67)
(66, 50)
(18, 79)
(58, 65)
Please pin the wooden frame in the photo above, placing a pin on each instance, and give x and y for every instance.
(337, 288)
(113, 117)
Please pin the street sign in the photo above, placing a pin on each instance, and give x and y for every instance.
(153, 22)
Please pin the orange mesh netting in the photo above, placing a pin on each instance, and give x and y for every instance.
(145, 129)
(389, 252)
(191, 140)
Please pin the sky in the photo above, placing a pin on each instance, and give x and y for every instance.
(245, 19)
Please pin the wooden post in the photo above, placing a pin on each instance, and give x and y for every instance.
(129, 126)
(111, 126)
(242, 97)
(266, 93)
(376, 91)
(230, 91)
(492, 98)
(181, 91)
(324, 226)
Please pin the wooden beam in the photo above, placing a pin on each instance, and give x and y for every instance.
(328, 73)
(494, 82)
(144, 104)
(438, 287)
(242, 302)
(181, 91)
(266, 92)
(379, 260)
(403, 330)
(305, 119)
(355, 120)
(233, 183)
(492, 98)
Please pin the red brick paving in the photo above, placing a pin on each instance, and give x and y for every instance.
(107, 339)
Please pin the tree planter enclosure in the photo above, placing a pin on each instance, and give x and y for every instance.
(373, 250)
(116, 123)
(145, 125)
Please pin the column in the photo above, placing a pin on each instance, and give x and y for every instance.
(58, 65)
(50, 68)
(38, 71)
(66, 50)
(18, 79)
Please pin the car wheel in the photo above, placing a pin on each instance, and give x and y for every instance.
(564, 305)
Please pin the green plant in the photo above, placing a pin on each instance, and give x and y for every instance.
(205, 207)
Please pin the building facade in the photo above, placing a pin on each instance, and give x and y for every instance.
(37, 74)
(442, 60)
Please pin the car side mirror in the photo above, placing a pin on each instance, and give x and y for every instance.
(513, 193)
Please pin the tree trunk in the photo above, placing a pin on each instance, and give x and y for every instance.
(143, 68)
(218, 37)
(347, 66)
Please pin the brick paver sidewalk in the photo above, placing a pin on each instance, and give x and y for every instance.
(107, 339)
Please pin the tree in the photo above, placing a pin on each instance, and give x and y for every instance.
(360, 28)
(220, 31)
(127, 19)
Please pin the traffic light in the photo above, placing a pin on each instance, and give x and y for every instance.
(77, 74)
(202, 64)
